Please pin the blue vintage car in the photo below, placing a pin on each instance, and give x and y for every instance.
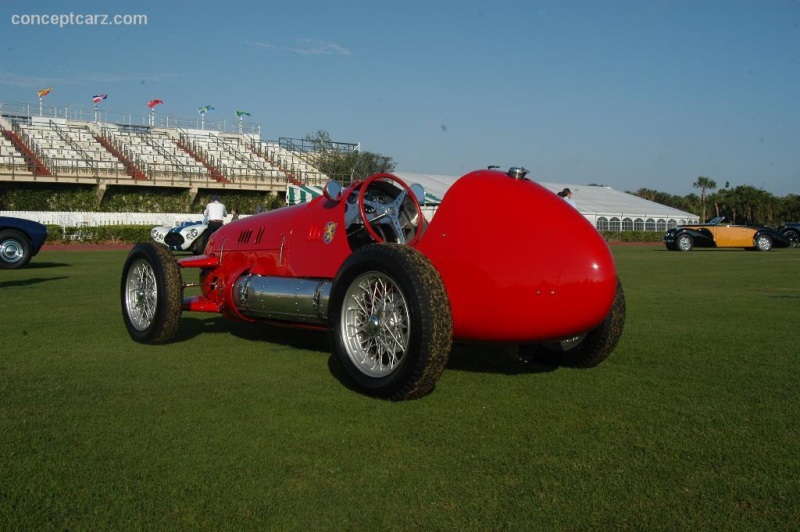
(20, 240)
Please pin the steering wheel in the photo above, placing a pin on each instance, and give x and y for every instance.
(390, 211)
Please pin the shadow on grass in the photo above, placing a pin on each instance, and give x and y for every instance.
(494, 358)
(29, 282)
(34, 265)
(308, 339)
(490, 359)
(500, 359)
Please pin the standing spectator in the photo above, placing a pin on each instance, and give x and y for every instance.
(234, 214)
(214, 214)
(567, 195)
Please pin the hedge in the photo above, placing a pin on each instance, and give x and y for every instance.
(633, 236)
(102, 234)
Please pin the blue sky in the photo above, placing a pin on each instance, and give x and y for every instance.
(631, 94)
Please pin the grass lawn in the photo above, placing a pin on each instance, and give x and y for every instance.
(694, 421)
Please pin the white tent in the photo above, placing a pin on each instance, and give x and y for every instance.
(604, 207)
(613, 210)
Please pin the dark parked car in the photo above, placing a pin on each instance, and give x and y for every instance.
(20, 240)
(719, 234)
(791, 232)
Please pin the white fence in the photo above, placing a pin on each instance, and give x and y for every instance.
(94, 219)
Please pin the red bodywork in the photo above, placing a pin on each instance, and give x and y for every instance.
(518, 262)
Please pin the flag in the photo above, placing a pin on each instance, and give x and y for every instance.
(153, 103)
(45, 92)
(204, 109)
(97, 98)
(242, 113)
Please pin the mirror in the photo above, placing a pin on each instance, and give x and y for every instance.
(419, 192)
(333, 190)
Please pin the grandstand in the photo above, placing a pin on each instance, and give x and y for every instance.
(74, 145)
(84, 146)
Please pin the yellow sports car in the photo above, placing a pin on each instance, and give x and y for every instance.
(718, 234)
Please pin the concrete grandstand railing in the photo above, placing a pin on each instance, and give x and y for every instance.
(89, 114)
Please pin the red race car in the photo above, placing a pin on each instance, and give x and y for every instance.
(503, 260)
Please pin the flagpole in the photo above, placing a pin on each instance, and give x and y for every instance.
(40, 106)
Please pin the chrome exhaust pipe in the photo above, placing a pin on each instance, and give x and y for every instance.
(283, 298)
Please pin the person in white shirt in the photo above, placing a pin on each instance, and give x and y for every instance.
(567, 195)
(214, 214)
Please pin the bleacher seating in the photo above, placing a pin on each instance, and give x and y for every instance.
(154, 152)
(10, 157)
(297, 163)
(231, 156)
(51, 146)
(69, 148)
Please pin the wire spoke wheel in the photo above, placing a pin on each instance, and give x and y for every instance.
(375, 322)
(151, 294)
(141, 294)
(390, 323)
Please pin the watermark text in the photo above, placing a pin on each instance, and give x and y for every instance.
(62, 20)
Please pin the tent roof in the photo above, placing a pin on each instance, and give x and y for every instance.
(590, 200)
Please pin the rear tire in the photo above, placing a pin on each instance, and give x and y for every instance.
(792, 236)
(151, 293)
(389, 320)
(15, 250)
(586, 350)
(763, 242)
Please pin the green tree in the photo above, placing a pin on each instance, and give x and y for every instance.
(789, 208)
(646, 193)
(750, 205)
(346, 165)
(704, 184)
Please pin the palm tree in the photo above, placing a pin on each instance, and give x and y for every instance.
(704, 184)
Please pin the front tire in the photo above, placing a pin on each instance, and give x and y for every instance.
(390, 323)
(585, 350)
(684, 243)
(15, 250)
(151, 293)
